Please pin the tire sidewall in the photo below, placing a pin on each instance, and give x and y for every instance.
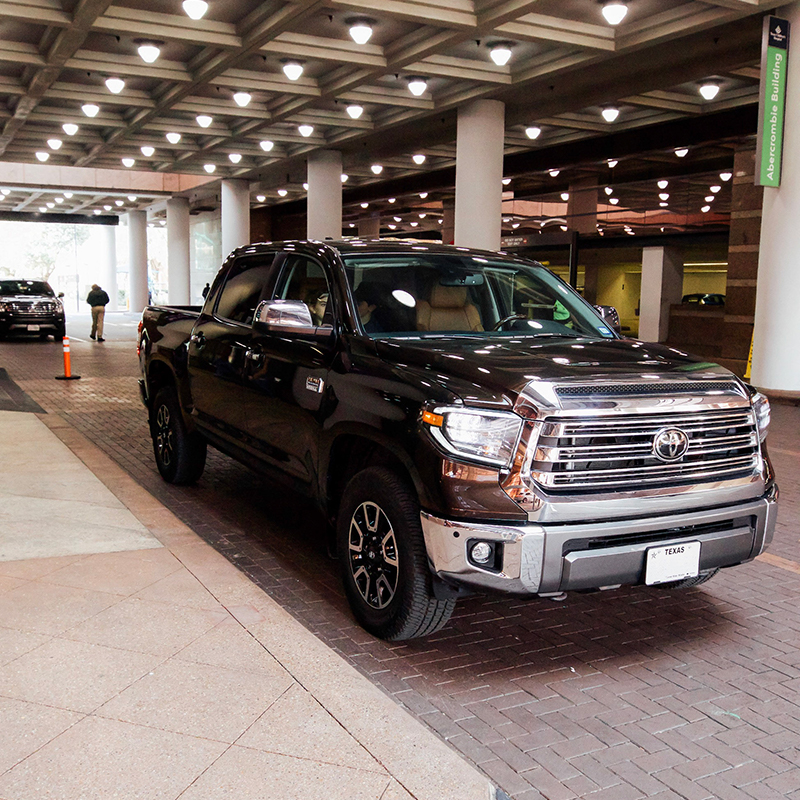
(166, 397)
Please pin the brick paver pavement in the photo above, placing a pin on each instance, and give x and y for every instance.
(635, 693)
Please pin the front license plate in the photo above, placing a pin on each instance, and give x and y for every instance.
(33, 327)
(672, 563)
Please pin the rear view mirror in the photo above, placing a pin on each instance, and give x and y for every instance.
(610, 317)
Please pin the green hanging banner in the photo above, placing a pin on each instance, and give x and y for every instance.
(772, 100)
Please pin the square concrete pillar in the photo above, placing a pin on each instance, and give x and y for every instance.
(662, 286)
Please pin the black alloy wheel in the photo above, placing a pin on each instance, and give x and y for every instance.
(383, 560)
(180, 454)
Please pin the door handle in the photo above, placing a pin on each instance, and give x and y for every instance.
(198, 339)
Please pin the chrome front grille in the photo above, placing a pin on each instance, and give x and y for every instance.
(40, 307)
(615, 452)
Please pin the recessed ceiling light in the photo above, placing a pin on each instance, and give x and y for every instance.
(133, 198)
(715, 189)
(267, 145)
(355, 111)
(59, 200)
(506, 181)
(305, 130)
(612, 162)
(149, 52)
(392, 200)
(422, 216)
(70, 128)
(709, 90)
(614, 11)
(68, 195)
(305, 186)
(423, 195)
(705, 209)
(115, 85)
(663, 204)
(533, 131)
(710, 198)
(681, 151)
(235, 157)
(397, 219)
(107, 208)
(54, 144)
(613, 200)
(196, 9)
(162, 222)
(43, 209)
(42, 156)
(51, 205)
(610, 113)
(418, 159)
(147, 150)
(97, 211)
(554, 173)
(608, 190)
(725, 176)
(173, 138)
(376, 169)
(293, 70)
(128, 162)
(515, 225)
(417, 86)
(413, 224)
(352, 225)
(90, 109)
(203, 120)
(360, 30)
(282, 192)
(261, 198)
(664, 196)
(500, 54)
(210, 168)
(663, 184)
(565, 196)
(344, 177)
(365, 205)
(392, 227)
(119, 203)
(242, 99)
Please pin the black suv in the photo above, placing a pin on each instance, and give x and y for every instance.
(31, 307)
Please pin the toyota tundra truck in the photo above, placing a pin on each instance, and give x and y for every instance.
(464, 420)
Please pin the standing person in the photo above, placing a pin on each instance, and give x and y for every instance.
(98, 300)
(206, 290)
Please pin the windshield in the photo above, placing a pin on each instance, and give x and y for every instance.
(25, 287)
(436, 293)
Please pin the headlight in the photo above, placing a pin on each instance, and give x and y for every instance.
(5, 307)
(475, 434)
(761, 407)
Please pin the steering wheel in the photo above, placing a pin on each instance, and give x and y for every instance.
(509, 318)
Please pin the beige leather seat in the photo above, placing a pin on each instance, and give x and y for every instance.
(448, 310)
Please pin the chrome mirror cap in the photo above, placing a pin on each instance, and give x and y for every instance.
(285, 313)
(610, 317)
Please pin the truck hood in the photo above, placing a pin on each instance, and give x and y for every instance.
(495, 370)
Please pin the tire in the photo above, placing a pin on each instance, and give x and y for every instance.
(61, 332)
(180, 455)
(390, 587)
(689, 583)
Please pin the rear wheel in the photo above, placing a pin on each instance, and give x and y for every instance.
(383, 559)
(180, 455)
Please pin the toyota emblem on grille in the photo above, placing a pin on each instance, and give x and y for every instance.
(670, 444)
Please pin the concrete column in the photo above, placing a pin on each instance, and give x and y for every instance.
(582, 206)
(479, 174)
(137, 261)
(662, 285)
(448, 221)
(325, 195)
(109, 279)
(235, 215)
(178, 270)
(776, 355)
(369, 227)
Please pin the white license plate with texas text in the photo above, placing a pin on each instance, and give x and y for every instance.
(33, 327)
(674, 562)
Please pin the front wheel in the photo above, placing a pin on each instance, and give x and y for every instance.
(180, 455)
(383, 558)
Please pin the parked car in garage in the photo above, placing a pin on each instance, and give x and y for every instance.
(465, 420)
(31, 307)
(704, 299)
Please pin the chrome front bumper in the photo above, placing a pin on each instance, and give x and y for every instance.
(543, 559)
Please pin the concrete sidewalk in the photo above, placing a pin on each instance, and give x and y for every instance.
(137, 662)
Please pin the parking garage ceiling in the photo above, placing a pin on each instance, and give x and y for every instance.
(142, 85)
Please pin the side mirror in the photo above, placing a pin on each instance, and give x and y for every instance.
(293, 314)
(61, 294)
(610, 317)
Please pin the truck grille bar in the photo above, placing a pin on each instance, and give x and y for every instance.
(600, 453)
(44, 307)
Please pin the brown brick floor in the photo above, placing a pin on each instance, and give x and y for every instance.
(636, 693)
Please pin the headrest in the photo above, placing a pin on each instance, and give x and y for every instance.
(448, 296)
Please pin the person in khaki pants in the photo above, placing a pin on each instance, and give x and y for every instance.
(98, 300)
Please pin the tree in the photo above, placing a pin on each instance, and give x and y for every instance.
(54, 241)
